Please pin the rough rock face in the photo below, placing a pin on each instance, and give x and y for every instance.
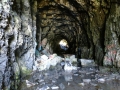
(112, 37)
(5, 33)
(17, 39)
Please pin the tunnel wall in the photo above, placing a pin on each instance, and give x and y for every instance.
(17, 39)
(112, 36)
(104, 28)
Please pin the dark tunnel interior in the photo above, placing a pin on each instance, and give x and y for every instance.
(56, 22)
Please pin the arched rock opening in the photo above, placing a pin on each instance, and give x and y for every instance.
(57, 21)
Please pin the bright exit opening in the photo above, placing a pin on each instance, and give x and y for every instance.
(63, 44)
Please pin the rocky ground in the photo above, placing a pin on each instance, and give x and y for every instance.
(66, 76)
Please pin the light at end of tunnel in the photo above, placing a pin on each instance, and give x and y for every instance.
(63, 44)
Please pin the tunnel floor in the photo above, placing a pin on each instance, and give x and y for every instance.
(85, 78)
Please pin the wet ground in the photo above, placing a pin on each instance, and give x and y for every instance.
(85, 78)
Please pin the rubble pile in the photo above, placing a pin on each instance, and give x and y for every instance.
(45, 62)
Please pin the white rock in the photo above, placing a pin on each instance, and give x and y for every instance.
(44, 57)
(87, 62)
(86, 80)
(73, 59)
(68, 66)
(101, 80)
(55, 87)
(81, 84)
(29, 84)
(52, 56)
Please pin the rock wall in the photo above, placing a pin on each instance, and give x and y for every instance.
(104, 27)
(17, 39)
(112, 36)
(98, 11)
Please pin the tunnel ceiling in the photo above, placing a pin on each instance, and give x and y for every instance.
(66, 19)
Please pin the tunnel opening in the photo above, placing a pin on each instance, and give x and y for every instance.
(58, 22)
(63, 44)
